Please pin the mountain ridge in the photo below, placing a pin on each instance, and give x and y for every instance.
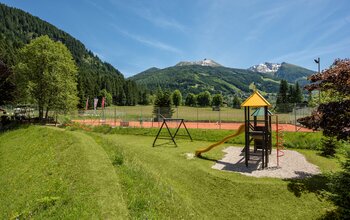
(205, 62)
(193, 77)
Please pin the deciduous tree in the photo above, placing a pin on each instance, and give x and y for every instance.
(217, 100)
(46, 74)
(191, 100)
(204, 99)
(176, 97)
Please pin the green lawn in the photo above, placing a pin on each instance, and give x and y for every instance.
(54, 173)
(48, 172)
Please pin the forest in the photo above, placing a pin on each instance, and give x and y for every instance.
(18, 28)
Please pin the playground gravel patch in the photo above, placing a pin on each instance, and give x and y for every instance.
(292, 165)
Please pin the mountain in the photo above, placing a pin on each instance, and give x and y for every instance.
(265, 67)
(294, 73)
(199, 76)
(205, 62)
(18, 28)
(196, 78)
(290, 72)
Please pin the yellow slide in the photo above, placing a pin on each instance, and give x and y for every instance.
(240, 130)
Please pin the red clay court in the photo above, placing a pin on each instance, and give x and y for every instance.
(189, 124)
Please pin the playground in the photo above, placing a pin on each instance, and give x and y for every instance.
(122, 175)
(170, 171)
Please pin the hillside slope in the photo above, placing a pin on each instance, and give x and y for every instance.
(293, 73)
(197, 78)
(51, 173)
(18, 28)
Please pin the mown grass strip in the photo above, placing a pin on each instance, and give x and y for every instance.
(52, 173)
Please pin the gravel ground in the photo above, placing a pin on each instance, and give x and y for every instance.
(291, 165)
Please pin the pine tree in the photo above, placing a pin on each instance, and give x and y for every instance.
(282, 98)
(298, 94)
(236, 103)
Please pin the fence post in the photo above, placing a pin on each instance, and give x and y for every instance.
(158, 116)
(295, 117)
(115, 116)
(197, 116)
(141, 118)
(219, 118)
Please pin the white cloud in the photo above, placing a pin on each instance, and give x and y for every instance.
(159, 20)
(314, 52)
(148, 42)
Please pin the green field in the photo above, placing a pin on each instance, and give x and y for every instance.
(57, 173)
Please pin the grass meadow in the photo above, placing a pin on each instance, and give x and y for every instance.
(55, 173)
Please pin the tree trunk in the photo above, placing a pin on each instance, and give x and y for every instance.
(47, 114)
(41, 113)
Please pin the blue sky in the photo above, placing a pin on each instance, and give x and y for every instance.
(136, 35)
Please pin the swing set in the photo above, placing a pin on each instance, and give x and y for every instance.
(171, 135)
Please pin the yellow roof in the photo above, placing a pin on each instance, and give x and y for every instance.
(255, 100)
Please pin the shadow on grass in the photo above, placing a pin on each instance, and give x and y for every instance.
(315, 184)
(207, 158)
(165, 144)
(13, 126)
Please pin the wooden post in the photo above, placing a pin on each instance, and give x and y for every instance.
(266, 138)
(246, 148)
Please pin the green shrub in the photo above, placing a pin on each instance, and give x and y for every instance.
(302, 140)
(340, 193)
(329, 146)
(118, 159)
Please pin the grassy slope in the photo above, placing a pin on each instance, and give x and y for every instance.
(62, 174)
(209, 193)
(46, 172)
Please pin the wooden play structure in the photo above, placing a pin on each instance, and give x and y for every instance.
(257, 129)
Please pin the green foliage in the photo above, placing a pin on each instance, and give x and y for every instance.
(302, 140)
(282, 97)
(7, 86)
(329, 146)
(163, 105)
(293, 73)
(196, 79)
(191, 100)
(204, 99)
(108, 97)
(339, 188)
(47, 73)
(18, 28)
(217, 100)
(118, 159)
(288, 95)
(236, 103)
(176, 97)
